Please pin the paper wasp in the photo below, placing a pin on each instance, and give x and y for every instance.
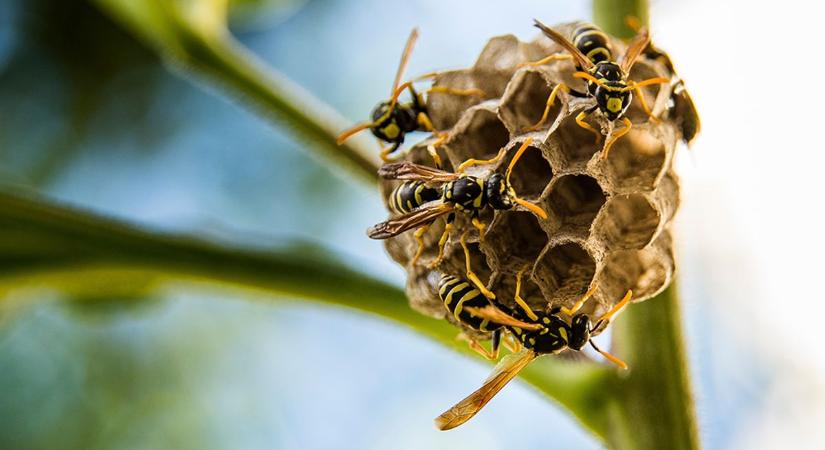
(560, 329)
(607, 81)
(460, 192)
(392, 120)
(460, 296)
(683, 104)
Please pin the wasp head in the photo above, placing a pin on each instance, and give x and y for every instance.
(499, 193)
(611, 93)
(580, 328)
(390, 125)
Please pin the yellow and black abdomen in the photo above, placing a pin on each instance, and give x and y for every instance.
(410, 195)
(458, 294)
(592, 42)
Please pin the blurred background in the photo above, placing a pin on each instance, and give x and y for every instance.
(91, 117)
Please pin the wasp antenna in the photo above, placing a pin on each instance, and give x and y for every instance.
(353, 131)
(608, 356)
(534, 208)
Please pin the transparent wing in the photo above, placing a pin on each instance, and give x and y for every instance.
(400, 224)
(505, 370)
(582, 60)
(405, 56)
(412, 171)
(634, 49)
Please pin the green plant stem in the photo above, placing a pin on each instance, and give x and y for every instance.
(46, 244)
(651, 407)
(198, 44)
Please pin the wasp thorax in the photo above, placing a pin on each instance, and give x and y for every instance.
(580, 331)
(608, 220)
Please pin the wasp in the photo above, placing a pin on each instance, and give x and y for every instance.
(559, 330)
(392, 120)
(460, 192)
(607, 80)
(461, 296)
(683, 104)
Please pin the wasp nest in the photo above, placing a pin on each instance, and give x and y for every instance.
(609, 219)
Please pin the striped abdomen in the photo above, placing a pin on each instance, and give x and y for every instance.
(592, 42)
(457, 294)
(410, 195)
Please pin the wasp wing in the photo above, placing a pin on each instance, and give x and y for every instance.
(400, 224)
(500, 317)
(581, 60)
(505, 370)
(413, 171)
(405, 57)
(634, 49)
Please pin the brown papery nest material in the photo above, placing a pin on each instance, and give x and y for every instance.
(609, 220)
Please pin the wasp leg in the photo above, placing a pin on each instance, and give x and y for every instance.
(580, 122)
(520, 301)
(550, 100)
(478, 348)
(472, 275)
(443, 241)
(386, 152)
(616, 136)
(424, 121)
(479, 226)
(577, 306)
(470, 92)
(476, 162)
(543, 61)
(511, 342)
(643, 102)
(419, 238)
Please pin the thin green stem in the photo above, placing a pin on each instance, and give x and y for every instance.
(192, 36)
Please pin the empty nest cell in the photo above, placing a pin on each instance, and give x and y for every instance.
(523, 236)
(627, 222)
(525, 99)
(636, 161)
(575, 199)
(532, 172)
(575, 145)
(564, 271)
(480, 135)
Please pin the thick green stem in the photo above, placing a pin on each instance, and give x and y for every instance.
(651, 407)
(45, 244)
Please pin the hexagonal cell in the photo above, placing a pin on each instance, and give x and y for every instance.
(532, 172)
(565, 271)
(504, 287)
(627, 222)
(524, 237)
(575, 199)
(445, 109)
(525, 99)
(636, 161)
(647, 272)
(480, 134)
(638, 73)
(575, 145)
